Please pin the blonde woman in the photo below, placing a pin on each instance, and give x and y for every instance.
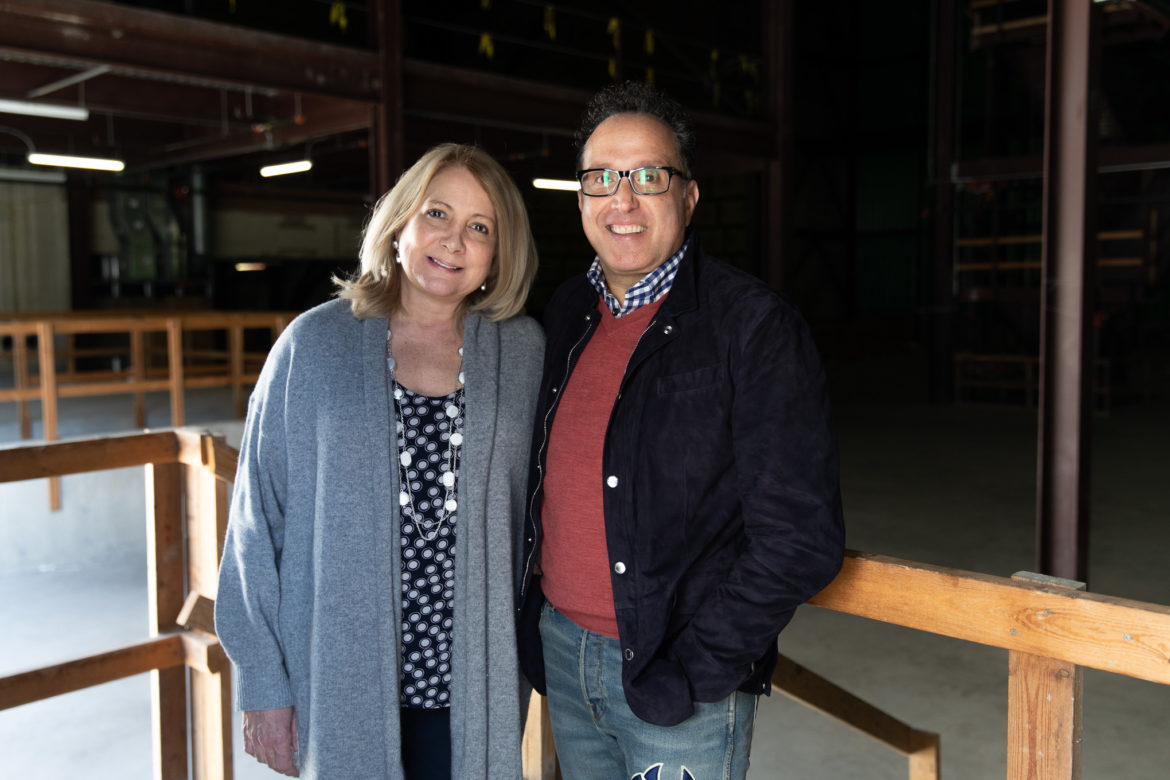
(366, 595)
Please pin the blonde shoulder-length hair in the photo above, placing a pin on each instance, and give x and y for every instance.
(375, 289)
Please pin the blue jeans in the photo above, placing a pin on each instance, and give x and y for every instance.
(597, 736)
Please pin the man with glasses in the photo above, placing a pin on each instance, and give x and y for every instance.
(685, 494)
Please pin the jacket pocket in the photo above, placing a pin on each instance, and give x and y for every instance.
(700, 378)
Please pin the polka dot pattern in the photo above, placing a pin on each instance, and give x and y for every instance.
(428, 553)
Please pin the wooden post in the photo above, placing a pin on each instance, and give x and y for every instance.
(20, 375)
(164, 549)
(47, 368)
(211, 697)
(138, 367)
(924, 760)
(236, 356)
(1044, 710)
(539, 753)
(175, 369)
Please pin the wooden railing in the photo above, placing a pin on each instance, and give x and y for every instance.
(135, 368)
(1052, 628)
(187, 475)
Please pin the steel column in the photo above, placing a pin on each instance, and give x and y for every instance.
(1068, 264)
(777, 173)
(938, 290)
(386, 126)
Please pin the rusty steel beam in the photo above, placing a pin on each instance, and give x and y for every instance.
(432, 91)
(144, 41)
(1067, 289)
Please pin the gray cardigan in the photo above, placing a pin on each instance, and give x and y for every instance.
(309, 600)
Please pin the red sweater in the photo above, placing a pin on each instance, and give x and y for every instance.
(574, 559)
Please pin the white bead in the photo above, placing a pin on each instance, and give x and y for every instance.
(398, 393)
(452, 411)
(403, 499)
(456, 439)
(448, 479)
(404, 459)
(460, 377)
(451, 505)
(612, 481)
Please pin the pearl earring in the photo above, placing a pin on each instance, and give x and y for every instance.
(483, 287)
(397, 257)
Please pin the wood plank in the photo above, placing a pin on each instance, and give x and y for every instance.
(47, 367)
(162, 652)
(211, 726)
(197, 614)
(165, 594)
(539, 755)
(138, 366)
(206, 521)
(818, 693)
(20, 377)
(199, 448)
(78, 456)
(1100, 632)
(236, 348)
(925, 761)
(168, 720)
(110, 388)
(204, 653)
(1044, 718)
(175, 366)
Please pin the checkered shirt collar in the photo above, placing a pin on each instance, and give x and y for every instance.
(649, 288)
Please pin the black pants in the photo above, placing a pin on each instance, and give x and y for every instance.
(426, 743)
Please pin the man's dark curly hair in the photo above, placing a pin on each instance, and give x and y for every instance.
(636, 97)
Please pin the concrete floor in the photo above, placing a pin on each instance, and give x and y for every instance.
(943, 485)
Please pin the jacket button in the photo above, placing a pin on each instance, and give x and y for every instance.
(619, 567)
(668, 330)
(612, 481)
(628, 654)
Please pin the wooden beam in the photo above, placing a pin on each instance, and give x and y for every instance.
(47, 374)
(197, 614)
(213, 453)
(1100, 632)
(165, 593)
(84, 455)
(539, 753)
(1044, 710)
(812, 690)
(163, 652)
(211, 726)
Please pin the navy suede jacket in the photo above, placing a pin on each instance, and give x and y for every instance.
(721, 492)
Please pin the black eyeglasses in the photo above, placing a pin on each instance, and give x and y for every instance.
(651, 180)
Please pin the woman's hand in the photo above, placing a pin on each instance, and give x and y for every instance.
(271, 737)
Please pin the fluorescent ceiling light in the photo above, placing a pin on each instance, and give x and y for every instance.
(23, 174)
(556, 184)
(250, 266)
(300, 166)
(29, 108)
(94, 163)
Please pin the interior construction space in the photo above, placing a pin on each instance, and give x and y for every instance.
(968, 200)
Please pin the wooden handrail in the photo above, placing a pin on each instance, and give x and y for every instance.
(1051, 630)
(236, 369)
(187, 475)
(1087, 629)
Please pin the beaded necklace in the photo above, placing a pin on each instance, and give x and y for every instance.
(429, 529)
